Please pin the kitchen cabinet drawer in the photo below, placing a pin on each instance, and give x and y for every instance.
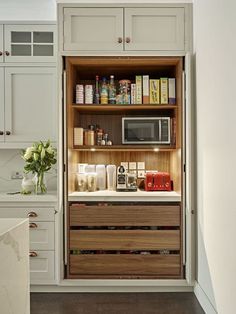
(42, 236)
(34, 214)
(126, 264)
(125, 215)
(42, 266)
(124, 239)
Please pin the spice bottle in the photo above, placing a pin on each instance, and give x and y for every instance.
(112, 91)
(104, 92)
(97, 95)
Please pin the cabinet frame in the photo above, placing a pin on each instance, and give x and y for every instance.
(1, 43)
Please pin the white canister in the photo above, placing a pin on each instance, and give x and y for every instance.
(101, 177)
(90, 168)
(111, 177)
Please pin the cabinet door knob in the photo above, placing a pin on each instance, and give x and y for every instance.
(32, 214)
(0, 53)
(1, 133)
(120, 40)
(7, 53)
(8, 133)
(127, 40)
(33, 225)
(33, 254)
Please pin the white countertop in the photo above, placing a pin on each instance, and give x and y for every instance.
(48, 197)
(139, 196)
(7, 224)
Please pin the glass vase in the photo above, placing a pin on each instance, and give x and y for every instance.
(40, 183)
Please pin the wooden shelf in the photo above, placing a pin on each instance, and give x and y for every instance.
(148, 148)
(115, 108)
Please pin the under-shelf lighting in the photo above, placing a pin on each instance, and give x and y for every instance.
(92, 149)
(156, 149)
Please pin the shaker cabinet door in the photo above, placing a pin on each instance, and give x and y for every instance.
(1, 43)
(30, 111)
(154, 29)
(2, 129)
(93, 29)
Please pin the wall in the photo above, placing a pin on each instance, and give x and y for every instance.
(215, 45)
(32, 10)
(10, 160)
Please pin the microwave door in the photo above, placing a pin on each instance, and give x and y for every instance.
(138, 132)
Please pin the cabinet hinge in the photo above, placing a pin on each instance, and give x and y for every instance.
(64, 168)
(184, 167)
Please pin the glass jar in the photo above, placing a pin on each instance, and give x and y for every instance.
(92, 182)
(81, 182)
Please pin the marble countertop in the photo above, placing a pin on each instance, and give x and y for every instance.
(48, 197)
(139, 196)
(7, 224)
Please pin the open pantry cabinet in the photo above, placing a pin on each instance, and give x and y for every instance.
(124, 235)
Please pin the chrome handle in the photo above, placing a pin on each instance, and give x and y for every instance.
(32, 214)
(33, 254)
(1, 133)
(127, 40)
(33, 225)
(7, 53)
(8, 133)
(120, 40)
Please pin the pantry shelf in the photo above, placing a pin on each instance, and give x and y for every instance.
(113, 148)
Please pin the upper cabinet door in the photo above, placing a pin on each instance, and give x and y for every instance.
(30, 43)
(93, 29)
(1, 43)
(2, 129)
(30, 104)
(154, 29)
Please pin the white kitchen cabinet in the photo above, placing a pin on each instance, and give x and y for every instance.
(1, 43)
(30, 111)
(41, 239)
(93, 29)
(162, 28)
(2, 128)
(29, 43)
(154, 29)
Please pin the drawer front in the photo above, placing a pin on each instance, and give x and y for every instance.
(42, 266)
(125, 264)
(42, 236)
(124, 239)
(125, 215)
(34, 214)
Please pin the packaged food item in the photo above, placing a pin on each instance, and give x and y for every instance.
(101, 177)
(112, 91)
(139, 93)
(154, 92)
(133, 94)
(100, 133)
(78, 136)
(79, 94)
(104, 92)
(89, 94)
(146, 89)
(171, 88)
(92, 181)
(91, 138)
(81, 182)
(164, 90)
(97, 94)
(124, 91)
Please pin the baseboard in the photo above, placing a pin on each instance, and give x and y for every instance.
(204, 300)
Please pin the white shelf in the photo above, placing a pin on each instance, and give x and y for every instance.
(139, 196)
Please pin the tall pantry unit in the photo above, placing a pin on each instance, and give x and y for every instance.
(127, 40)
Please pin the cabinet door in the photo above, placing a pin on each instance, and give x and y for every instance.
(154, 29)
(2, 129)
(30, 111)
(93, 29)
(42, 235)
(29, 43)
(1, 43)
(41, 266)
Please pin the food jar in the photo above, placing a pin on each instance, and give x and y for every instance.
(92, 181)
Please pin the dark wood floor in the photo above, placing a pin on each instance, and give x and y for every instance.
(115, 303)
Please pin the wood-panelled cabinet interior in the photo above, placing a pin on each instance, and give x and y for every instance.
(29, 43)
(42, 240)
(28, 104)
(118, 29)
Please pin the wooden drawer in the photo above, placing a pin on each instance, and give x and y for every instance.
(125, 215)
(42, 236)
(124, 239)
(125, 264)
(42, 266)
(34, 214)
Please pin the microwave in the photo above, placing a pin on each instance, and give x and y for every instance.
(146, 130)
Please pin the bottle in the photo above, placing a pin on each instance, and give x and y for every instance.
(97, 95)
(112, 91)
(104, 92)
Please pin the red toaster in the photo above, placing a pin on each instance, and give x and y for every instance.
(157, 181)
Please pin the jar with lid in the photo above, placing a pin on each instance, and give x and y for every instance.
(100, 133)
(124, 91)
(92, 181)
(81, 182)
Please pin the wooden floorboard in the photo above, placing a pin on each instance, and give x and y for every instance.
(115, 303)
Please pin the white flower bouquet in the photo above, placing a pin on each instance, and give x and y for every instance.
(39, 159)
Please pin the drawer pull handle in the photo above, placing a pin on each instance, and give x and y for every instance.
(127, 40)
(7, 53)
(33, 225)
(32, 214)
(119, 40)
(8, 133)
(33, 254)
